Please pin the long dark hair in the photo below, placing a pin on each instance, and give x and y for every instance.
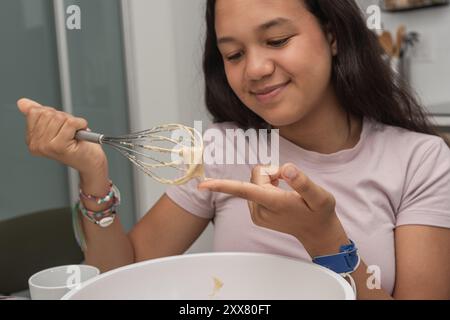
(364, 83)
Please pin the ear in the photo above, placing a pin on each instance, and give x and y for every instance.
(332, 40)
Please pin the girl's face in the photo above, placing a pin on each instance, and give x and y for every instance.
(266, 44)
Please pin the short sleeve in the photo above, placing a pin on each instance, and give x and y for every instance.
(188, 197)
(426, 197)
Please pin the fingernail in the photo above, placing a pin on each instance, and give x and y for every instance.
(268, 170)
(290, 172)
(28, 100)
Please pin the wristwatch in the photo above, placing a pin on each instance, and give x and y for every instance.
(346, 261)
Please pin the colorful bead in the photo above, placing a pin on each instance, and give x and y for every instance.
(106, 217)
(99, 200)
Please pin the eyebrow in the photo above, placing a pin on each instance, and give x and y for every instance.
(277, 22)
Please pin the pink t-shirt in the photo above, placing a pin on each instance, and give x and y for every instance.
(392, 177)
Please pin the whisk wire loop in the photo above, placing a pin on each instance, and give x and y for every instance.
(145, 148)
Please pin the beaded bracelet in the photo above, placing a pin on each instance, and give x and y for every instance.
(99, 200)
(102, 218)
(106, 217)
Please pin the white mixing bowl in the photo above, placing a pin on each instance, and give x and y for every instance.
(217, 276)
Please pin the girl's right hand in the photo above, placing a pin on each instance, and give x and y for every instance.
(51, 134)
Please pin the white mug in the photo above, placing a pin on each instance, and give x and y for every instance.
(54, 283)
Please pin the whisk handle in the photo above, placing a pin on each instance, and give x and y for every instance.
(89, 136)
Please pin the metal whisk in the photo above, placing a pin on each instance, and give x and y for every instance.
(170, 154)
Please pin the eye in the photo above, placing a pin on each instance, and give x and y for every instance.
(278, 43)
(234, 57)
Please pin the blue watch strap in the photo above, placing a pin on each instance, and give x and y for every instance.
(345, 261)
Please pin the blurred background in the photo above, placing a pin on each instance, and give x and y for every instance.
(130, 65)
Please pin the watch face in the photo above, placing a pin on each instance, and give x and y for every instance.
(106, 222)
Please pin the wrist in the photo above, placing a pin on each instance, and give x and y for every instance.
(326, 247)
(103, 217)
(96, 180)
(94, 167)
(96, 184)
(327, 241)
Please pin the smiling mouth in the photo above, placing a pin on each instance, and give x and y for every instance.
(269, 95)
(269, 89)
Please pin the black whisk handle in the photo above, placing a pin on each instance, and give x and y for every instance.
(89, 136)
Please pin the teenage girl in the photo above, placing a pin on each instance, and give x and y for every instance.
(361, 167)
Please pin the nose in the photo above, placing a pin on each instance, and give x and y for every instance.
(258, 66)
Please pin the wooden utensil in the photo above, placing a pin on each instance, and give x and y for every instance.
(401, 33)
(387, 43)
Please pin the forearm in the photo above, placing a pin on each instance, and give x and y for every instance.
(106, 248)
(330, 242)
(363, 287)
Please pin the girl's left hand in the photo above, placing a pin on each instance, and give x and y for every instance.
(307, 212)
